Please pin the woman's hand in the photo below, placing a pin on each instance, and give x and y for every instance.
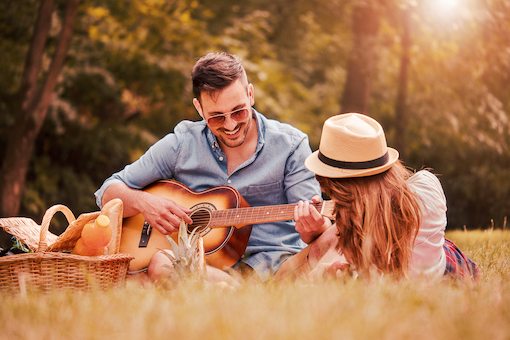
(310, 224)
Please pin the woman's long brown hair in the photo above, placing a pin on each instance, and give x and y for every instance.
(377, 218)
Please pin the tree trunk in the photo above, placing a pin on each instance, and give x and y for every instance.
(401, 114)
(358, 85)
(34, 104)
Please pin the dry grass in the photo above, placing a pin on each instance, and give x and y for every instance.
(331, 310)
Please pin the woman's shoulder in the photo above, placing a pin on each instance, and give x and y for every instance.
(427, 185)
(424, 176)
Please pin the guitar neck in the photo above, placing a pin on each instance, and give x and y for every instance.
(254, 215)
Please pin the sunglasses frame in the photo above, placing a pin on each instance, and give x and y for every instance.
(224, 117)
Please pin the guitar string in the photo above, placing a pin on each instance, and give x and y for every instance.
(255, 211)
(246, 213)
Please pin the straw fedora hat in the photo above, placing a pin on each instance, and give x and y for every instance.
(352, 145)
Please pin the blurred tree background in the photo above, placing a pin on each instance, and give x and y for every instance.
(435, 73)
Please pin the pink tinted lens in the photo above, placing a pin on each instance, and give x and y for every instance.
(239, 115)
(216, 121)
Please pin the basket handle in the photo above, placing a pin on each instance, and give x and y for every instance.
(45, 224)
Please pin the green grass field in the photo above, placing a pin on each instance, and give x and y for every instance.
(330, 310)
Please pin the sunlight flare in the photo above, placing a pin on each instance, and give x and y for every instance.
(445, 6)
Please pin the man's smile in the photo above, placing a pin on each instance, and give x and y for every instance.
(233, 132)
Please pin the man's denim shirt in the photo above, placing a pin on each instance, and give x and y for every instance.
(275, 174)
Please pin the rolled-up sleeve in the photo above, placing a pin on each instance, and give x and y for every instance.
(153, 165)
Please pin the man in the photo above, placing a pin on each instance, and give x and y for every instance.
(233, 145)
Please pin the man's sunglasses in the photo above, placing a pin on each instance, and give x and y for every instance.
(238, 115)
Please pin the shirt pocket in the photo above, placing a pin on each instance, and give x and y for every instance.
(265, 194)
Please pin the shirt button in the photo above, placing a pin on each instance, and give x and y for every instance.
(221, 158)
(229, 181)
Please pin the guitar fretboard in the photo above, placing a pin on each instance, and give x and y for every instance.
(253, 215)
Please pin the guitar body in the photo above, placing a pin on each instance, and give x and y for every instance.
(223, 246)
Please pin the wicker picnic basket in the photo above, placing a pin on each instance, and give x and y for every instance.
(51, 265)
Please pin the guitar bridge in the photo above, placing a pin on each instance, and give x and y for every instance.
(145, 236)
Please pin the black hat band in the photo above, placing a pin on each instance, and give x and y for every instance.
(355, 165)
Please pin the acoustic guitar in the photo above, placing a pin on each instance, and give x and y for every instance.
(222, 216)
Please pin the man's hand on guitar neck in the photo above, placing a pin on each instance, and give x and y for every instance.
(310, 224)
(161, 213)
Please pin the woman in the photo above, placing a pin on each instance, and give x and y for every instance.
(388, 219)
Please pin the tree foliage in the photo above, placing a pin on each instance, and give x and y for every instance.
(125, 83)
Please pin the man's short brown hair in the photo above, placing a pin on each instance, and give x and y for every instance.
(215, 71)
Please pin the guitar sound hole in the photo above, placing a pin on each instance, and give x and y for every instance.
(201, 219)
